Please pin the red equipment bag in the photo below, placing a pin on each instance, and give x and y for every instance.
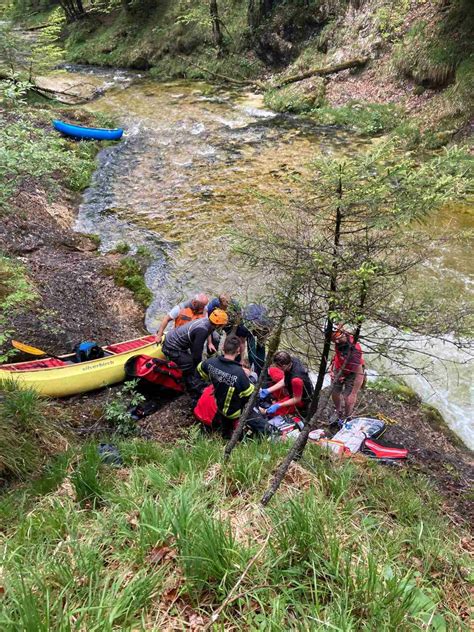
(161, 372)
(384, 452)
(206, 408)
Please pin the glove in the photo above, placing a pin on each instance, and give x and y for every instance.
(264, 392)
(271, 410)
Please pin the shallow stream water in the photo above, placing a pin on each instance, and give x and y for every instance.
(192, 165)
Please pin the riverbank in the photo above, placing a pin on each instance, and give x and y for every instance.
(416, 56)
(71, 296)
(171, 536)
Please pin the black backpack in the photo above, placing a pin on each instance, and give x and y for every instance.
(85, 351)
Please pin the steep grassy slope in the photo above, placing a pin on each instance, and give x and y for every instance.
(173, 538)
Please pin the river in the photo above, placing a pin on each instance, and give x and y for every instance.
(191, 166)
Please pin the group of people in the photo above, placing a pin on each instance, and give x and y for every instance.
(193, 344)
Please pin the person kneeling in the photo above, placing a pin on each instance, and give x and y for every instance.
(232, 387)
(292, 387)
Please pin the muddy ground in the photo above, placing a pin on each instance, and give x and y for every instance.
(77, 300)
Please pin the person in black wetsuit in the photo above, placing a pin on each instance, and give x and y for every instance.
(184, 345)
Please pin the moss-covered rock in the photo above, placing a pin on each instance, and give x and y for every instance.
(302, 96)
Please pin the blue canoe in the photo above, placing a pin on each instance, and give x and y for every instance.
(87, 132)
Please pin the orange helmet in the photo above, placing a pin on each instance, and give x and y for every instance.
(218, 317)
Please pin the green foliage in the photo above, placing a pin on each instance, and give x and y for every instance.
(28, 433)
(390, 17)
(14, 91)
(360, 545)
(396, 388)
(367, 119)
(121, 248)
(431, 53)
(117, 410)
(28, 150)
(46, 53)
(296, 98)
(16, 295)
(129, 274)
(12, 47)
(89, 482)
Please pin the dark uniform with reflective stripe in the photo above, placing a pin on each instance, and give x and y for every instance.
(232, 388)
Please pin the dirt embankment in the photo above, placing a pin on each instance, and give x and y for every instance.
(77, 300)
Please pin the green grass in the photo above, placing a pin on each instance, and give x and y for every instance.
(396, 388)
(129, 274)
(32, 151)
(294, 98)
(29, 433)
(164, 540)
(367, 119)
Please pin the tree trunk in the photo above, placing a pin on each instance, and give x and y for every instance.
(257, 11)
(73, 9)
(216, 25)
(311, 418)
(325, 70)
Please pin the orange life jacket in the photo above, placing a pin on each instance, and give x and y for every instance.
(185, 315)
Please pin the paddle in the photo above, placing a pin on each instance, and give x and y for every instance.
(32, 350)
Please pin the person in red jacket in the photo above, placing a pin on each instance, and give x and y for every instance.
(291, 385)
(347, 373)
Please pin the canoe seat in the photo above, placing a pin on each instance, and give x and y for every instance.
(121, 347)
(35, 364)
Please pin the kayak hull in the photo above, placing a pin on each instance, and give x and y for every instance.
(72, 378)
(95, 133)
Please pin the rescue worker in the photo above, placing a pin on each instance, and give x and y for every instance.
(258, 326)
(191, 310)
(234, 326)
(292, 387)
(347, 373)
(232, 386)
(184, 345)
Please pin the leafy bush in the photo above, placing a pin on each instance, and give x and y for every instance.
(117, 410)
(129, 274)
(367, 119)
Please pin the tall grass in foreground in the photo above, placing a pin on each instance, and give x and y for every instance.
(163, 541)
(29, 432)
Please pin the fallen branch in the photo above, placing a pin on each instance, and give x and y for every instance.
(321, 72)
(229, 597)
(225, 78)
(34, 28)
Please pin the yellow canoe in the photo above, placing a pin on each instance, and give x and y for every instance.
(60, 377)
